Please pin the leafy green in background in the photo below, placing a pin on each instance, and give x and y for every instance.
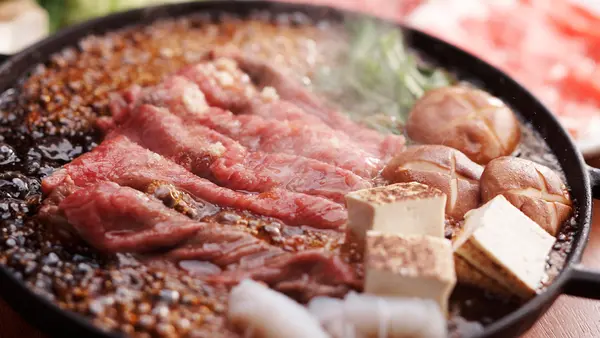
(378, 80)
(66, 12)
(56, 12)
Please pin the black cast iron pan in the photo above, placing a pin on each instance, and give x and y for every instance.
(583, 180)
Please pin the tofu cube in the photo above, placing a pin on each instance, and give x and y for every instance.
(467, 274)
(409, 266)
(504, 244)
(402, 208)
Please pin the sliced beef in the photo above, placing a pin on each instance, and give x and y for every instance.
(286, 111)
(54, 219)
(208, 153)
(266, 103)
(245, 100)
(121, 161)
(303, 275)
(265, 75)
(312, 274)
(180, 95)
(112, 218)
(234, 257)
(223, 84)
(293, 137)
(229, 248)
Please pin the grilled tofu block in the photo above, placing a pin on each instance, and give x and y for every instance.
(504, 244)
(409, 266)
(402, 208)
(469, 275)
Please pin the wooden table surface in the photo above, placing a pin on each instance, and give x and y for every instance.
(569, 317)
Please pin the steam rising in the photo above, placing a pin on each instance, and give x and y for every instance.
(376, 78)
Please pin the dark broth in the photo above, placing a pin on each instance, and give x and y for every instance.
(47, 121)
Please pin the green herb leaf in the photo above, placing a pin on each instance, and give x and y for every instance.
(378, 80)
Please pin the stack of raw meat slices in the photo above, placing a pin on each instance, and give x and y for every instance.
(227, 170)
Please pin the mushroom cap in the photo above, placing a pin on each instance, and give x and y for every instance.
(440, 167)
(470, 120)
(536, 190)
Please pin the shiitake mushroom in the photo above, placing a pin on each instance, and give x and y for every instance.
(440, 167)
(536, 190)
(478, 124)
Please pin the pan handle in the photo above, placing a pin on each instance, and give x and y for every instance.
(595, 181)
(585, 282)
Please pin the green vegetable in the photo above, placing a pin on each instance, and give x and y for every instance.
(66, 12)
(56, 12)
(378, 80)
(80, 10)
